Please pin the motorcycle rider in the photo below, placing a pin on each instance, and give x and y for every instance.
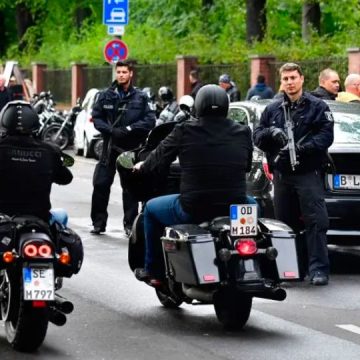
(171, 107)
(186, 105)
(28, 166)
(214, 155)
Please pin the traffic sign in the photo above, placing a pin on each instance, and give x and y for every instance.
(116, 30)
(115, 12)
(115, 50)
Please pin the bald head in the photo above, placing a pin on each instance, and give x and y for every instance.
(352, 84)
(330, 81)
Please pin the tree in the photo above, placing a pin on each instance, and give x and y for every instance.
(255, 20)
(311, 16)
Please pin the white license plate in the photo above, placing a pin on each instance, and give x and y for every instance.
(243, 220)
(351, 182)
(38, 283)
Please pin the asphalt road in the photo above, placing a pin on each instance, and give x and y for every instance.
(117, 317)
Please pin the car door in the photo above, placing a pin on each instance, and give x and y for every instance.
(257, 183)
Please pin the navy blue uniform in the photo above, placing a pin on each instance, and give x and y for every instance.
(124, 120)
(300, 193)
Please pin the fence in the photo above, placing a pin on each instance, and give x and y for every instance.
(59, 83)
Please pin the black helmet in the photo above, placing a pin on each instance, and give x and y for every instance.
(211, 100)
(165, 94)
(19, 117)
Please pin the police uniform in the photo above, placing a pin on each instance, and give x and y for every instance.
(300, 192)
(124, 120)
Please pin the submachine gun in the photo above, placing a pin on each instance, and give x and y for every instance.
(289, 127)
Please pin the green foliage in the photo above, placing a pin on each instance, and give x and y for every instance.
(159, 30)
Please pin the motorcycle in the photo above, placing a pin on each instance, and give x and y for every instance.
(34, 258)
(61, 130)
(225, 261)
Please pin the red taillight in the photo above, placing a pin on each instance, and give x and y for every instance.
(267, 172)
(38, 304)
(45, 250)
(40, 250)
(91, 119)
(30, 250)
(246, 247)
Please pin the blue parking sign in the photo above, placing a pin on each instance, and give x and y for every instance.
(116, 12)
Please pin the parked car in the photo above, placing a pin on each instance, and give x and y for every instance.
(88, 140)
(341, 179)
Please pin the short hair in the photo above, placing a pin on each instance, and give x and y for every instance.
(195, 73)
(290, 67)
(125, 63)
(261, 79)
(325, 74)
(351, 79)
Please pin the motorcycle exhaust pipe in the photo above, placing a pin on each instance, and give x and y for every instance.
(277, 294)
(197, 294)
(63, 305)
(56, 317)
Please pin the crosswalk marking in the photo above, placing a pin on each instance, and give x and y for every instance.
(350, 327)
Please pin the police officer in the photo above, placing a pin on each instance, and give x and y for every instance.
(28, 166)
(300, 189)
(202, 145)
(124, 118)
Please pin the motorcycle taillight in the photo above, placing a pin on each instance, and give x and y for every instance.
(35, 249)
(246, 247)
(267, 172)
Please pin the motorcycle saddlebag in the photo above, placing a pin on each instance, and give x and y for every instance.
(281, 237)
(190, 254)
(70, 240)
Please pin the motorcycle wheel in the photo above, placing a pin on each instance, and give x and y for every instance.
(166, 299)
(62, 140)
(25, 326)
(232, 309)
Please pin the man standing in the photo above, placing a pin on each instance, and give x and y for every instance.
(329, 85)
(230, 87)
(260, 89)
(298, 189)
(195, 82)
(352, 89)
(124, 118)
(5, 94)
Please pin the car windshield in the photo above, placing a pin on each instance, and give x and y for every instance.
(346, 128)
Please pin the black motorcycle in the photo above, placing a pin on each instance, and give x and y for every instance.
(60, 130)
(34, 257)
(226, 261)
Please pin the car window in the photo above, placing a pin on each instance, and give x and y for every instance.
(346, 127)
(239, 115)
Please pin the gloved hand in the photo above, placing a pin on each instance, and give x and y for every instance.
(284, 152)
(278, 136)
(119, 132)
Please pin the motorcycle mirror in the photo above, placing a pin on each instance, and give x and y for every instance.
(126, 160)
(67, 160)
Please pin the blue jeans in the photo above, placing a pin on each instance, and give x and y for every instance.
(160, 212)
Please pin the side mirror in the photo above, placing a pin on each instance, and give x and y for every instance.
(67, 160)
(126, 160)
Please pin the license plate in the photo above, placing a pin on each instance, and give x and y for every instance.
(38, 283)
(351, 182)
(243, 220)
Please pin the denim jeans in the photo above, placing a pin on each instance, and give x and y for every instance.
(160, 212)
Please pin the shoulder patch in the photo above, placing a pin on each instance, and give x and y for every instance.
(329, 116)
